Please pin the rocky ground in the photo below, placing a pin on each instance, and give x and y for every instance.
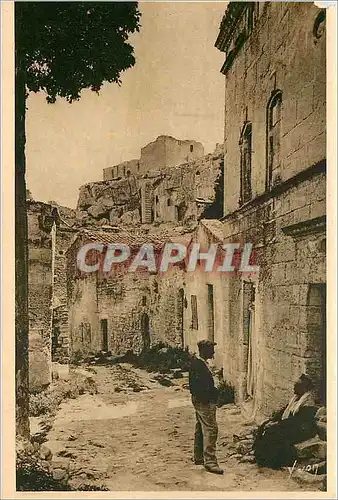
(134, 434)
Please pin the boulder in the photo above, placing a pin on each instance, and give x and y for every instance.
(322, 430)
(314, 447)
(131, 217)
(97, 189)
(82, 214)
(97, 210)
(59, 474)
(115, 214)
(248, 459)
(45, 453)
(321, 422)
(85, 199)
(244, 446)
(106, 202)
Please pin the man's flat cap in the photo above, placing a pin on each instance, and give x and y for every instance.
(205, 343)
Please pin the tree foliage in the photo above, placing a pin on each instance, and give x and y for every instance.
(64, 47)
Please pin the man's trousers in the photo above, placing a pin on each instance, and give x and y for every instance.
(206, 432)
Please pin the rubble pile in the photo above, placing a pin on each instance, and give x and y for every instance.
(36, 470)
(242, 444)
(108, 202)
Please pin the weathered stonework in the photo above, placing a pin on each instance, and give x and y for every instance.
(161, 191)
(185, 192)
(270, 326)
(123, 311)
(164, 152)
(48, 236)
(40, 223)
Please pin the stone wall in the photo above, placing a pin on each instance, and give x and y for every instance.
(290, 59)
(124, 169)
(137, 309)
(167, 151)
(164, 152)
(198, 284)
(48, 237)
(60, 328)
(40, 224)
(288, 236)
(273, 321)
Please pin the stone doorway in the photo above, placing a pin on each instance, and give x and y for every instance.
(248, 348)
(180, 315)
(145, 331)
(104, 335)
(316, 338)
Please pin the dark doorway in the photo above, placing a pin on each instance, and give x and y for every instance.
(249, 338)
(316, 339)
(55, 340)
(180, 314)
(145, 331)
(104, 335)
(211, 313)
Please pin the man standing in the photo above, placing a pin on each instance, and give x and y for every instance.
(204, 398)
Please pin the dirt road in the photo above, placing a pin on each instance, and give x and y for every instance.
(130, 440)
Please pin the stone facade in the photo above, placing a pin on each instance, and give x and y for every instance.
(62, 238)
(124, 169)
(270, 326)
(122, 311)
(40, 224)
(48, 237)
(164, 152)
(167, 151)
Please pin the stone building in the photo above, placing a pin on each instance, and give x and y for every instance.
(270, 325)
(164, 194)
(124, 169)
(119, 310)
(164, 152)
(48, 236)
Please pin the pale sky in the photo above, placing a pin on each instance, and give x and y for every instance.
(175, 88)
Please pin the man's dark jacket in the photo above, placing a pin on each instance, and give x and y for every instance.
(201, 382)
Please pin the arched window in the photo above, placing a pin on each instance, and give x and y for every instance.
(245, 144)
(273, 132)
(191, 148)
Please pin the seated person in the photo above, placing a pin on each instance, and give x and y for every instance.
(273, 446)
